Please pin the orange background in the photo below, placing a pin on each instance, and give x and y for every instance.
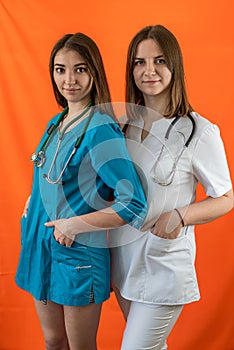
(28, 30)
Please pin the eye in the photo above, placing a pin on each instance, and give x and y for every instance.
(160, 61)
(139, 62)
(59, 70)
(81, 69)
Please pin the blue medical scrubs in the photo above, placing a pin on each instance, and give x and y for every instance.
(101, 166)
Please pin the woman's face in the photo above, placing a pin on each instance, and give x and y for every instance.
(151, 74)
(72, 76)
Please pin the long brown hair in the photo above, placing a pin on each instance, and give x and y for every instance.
(87, 48)
(178, 103)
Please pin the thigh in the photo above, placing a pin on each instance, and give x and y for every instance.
(51, 318)
(148, 326)
(123, 303)
(81, 324)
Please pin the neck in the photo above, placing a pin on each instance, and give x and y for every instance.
(72, 119)
(75, 109)
(157, 104)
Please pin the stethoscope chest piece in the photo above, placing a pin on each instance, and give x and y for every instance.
(38, 158)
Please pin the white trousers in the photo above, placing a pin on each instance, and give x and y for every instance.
(148, 326)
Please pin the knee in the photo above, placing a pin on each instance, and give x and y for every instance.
(56, 342)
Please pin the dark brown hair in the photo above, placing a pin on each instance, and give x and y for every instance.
(87, 48)
(178, 103)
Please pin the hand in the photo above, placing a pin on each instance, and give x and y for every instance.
(61, 232)
(25, 211)
(168, 225)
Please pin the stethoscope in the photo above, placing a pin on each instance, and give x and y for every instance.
(171, 175)
(39, 157)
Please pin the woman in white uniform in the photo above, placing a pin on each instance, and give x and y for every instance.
(153, 271)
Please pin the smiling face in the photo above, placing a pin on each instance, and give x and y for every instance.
(72, 77)
(151, 73)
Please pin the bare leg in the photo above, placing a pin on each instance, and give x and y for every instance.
(123, 303)
(81, 324)
(51, 317)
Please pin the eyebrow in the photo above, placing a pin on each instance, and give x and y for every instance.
(140, 58)
(75, 65)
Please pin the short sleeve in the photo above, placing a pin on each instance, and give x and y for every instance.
(210, 164)
(112, 163)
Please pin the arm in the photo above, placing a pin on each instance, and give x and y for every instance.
(112, 164)
(211, 169)
(169, 224)
(65, 230)
(207, 210)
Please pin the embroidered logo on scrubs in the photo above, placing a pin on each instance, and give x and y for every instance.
(83, 267)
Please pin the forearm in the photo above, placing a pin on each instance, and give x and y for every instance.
(96, 221)
(207, 210)
(92, 222)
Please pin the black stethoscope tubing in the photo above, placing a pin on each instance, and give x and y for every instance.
(172, 173)
(124, 129)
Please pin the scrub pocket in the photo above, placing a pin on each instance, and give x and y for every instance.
(170, 261)
(71, 273)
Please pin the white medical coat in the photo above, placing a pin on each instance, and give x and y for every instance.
(147, 268)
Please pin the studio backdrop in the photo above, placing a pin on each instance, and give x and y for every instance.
(28, 31)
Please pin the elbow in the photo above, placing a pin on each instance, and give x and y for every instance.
(229, 201)
(231, 204)
(229, 207)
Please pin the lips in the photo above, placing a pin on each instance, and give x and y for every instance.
(150, 82)
(70, 90)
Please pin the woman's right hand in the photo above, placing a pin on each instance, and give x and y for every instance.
(25, 211)
(167, 226)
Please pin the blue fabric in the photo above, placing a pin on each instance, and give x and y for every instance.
(48, 270)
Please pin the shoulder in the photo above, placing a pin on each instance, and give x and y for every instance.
(101, 123)
(54, 119)
(202, 122)
(203, 126)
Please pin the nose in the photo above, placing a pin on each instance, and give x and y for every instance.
(150, 68)
(70, 79)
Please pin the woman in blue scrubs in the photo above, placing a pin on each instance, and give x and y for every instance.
(64, 261)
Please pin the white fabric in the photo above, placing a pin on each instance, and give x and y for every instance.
(152, 331)
(147, 268)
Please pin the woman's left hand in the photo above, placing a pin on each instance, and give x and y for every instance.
(168, 225)
(61, 232)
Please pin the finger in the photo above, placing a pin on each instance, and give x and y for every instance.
(148, 226)
(166, 236)
(69, 243)
(25, 211)
(49, 224)
(57, 235)
(61, 240)
(144, 228)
